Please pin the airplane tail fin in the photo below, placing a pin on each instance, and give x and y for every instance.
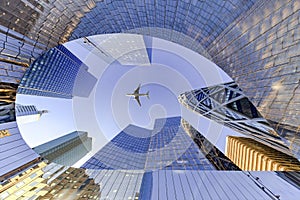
(148, 95)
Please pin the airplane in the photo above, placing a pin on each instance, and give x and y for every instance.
(137, 95)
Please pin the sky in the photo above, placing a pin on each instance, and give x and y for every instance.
(169, 71)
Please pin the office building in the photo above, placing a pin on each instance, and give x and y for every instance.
(7, 99)
(171, 148)
(127, 150)
(212, 153)
(15, 154)
(227, 105)
(191, 184)
(28, 113)
(46, 181)
(255, 41)
(243, 38)
(167, 146)
(251, 155)
(287, 132)
(53, 74)
(84, 83)
(66, 150)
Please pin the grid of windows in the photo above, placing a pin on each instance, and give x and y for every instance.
(226, 104)
(213, 154)
(171, 148)
(125, 151)
(53, 74)
(22, 110)
(166, 147)
(181, 16)
(131, 143)
(66, 150)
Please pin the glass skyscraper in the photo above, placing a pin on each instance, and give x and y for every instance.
(255, 41)
(66, 150)
(167, 146)
(28, 113)
(212, 153)
(53, 74)
(15, 154)
(7, 99)
(50, 180)
(227, 104)
(172, 161)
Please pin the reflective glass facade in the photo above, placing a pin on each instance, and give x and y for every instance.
(255, 42)
(167, 146)
(15, 154)
(245, 38)
(190, 184)
(7, 99)
(47, 181)
(226, 104)
(212, 153)
(181, 16)
(66, 150)
(53, 74)
(22, 110)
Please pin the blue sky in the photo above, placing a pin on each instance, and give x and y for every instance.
(173, 70)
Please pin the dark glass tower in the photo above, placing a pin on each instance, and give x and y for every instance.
(167, 146)
(213, 154)
(53, 74)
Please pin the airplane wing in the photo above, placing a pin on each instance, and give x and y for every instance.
(137, 90)
(138, 100)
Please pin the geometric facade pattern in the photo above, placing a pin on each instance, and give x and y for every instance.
(167, 146)
(227, 104)
(7, 99)
(47, 181)
(121, 16)
(251, 155)
(255, 41)
(15, 154)
(189, 184)
(212, 153)
(66, 150)
(53, 74)
(22, 110)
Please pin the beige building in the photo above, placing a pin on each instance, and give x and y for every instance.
(47, 181)
(249, 154)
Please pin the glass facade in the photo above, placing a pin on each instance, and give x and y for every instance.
(7, 99)
(212, 153)
(66, 150)
(167, 146)
(171, 148)
(22, 110)
(289, 134)
(247, 45)
(53, 74)
(256, 42)
(226, 104)
(15, 154)
(190, 184)
(180, 16)
(50, 181)
(128, 150)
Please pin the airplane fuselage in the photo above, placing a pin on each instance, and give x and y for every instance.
(136, 95)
